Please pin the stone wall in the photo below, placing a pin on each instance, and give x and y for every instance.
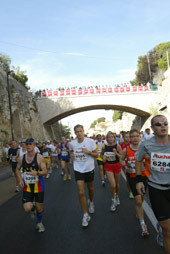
(26, 120)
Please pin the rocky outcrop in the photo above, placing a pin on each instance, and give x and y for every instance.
(26, 122)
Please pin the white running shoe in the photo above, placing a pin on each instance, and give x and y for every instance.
(17, 189)
(144, 230)
(117, 200)
(91, 207)
(113, 205)
(40, 227)
(85, 220)
(48, 175)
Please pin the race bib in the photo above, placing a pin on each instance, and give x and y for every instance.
(64, 153)
(29, 178)
(131, 166)
(13, 158)
(110, 156)
(80, 156)
(99, 151)
(45, 154)
(160, 162)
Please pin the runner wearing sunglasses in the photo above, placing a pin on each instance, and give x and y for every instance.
(157, 150)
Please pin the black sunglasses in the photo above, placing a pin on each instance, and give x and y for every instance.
(161, 123)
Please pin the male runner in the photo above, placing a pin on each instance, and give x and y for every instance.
(33, 185)
(157, 150)
(12, 154)
(65, 158)
(128, 154)
(99, 145)
(83, 151)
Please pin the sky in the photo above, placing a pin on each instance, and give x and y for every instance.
(81, 42)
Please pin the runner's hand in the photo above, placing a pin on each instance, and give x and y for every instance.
(21, 183)
(140, 188)
(33, 173)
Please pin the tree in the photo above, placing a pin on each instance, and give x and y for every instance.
(5, 62)
(99, 120)
(20, 76)
(65, 131)
(117, 115)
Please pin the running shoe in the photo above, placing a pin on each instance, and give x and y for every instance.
(131, 195)
(113, 205)
(40, 227)
(48, 175)
(62, 173)
(103, 183)
(64, 178)
(117, 200)
(144, 230)
(85, 220)
(159, 237)
(91, 207)
(17, 189)
(69, 177)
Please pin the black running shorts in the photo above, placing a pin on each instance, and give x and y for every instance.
(86, 177)
(30, 197)
(132, 183)
(100, 163)
(160, 201)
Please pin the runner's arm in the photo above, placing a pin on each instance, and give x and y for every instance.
(94, 153)
(18, 172)
(123, 157)
(102, 154)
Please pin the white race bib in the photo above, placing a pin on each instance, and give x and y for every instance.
(29, 178)
(14, 158)
(110, 156)
(80, 156)
(45, 154)
(64, 153)
(160, 162)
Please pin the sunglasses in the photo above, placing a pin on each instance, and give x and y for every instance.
(161, 123)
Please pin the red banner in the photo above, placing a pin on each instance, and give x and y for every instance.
(103, 90)
(50, 93)
(91, 91)
(116, 89)
(55, 93)
(98, 90)
(140, 88)
(80, 91)
(85, 91)
(61, 93)
(134, 88)
(44, 94)
(73, 92)
(109, 90)
(122, 89)
(68, 92)
(146, 88)
(127, 89)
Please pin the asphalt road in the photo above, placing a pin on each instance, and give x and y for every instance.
(108, 233)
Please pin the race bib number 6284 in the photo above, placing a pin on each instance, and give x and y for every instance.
(160, 162)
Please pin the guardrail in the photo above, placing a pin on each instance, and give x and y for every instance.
(92, 91)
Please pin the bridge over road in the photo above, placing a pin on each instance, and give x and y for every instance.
(52, 109)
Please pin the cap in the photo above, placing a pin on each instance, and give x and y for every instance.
(30, 141)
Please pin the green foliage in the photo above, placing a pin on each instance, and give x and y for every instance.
(161, 50)
(99, 120)
(5, 62)
(151, 63)
(20, 76)
(117, 115)
(65, 131)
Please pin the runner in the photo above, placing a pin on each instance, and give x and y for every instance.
(83, 151)
(54, 155)
(33, 185)
(128, 159)
(12, 153)
(6, 149)
(111, 155)
(65, 158)
(157, 149)
(99, 145)
(46, 155)
(124, 144)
